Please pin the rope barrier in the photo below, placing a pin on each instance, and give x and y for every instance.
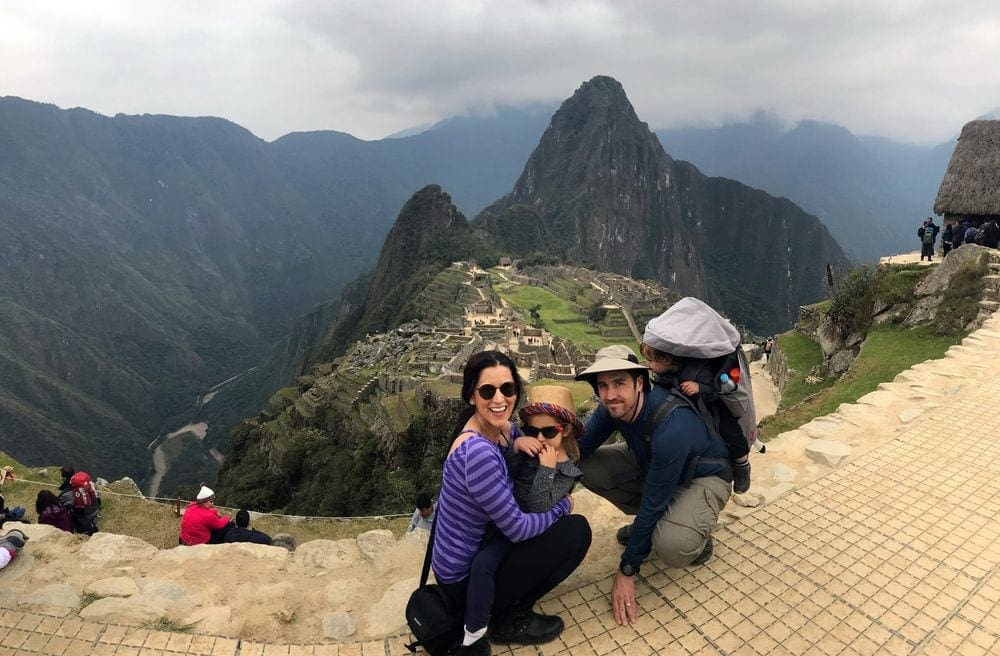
(255, 513)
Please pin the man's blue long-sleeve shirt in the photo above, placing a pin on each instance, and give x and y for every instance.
(679, 438)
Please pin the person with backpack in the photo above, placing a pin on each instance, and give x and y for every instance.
(670, 472)
(927, 233)
(51, 511)
(78, 494)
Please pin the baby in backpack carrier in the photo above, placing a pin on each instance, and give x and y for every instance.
(698, 380)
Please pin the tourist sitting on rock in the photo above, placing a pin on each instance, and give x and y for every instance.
(423, 515)
(51, 511)
(202, 523)
(241, 531)
(476, 493)
(15, 514)
(10, 545)
(79, 496)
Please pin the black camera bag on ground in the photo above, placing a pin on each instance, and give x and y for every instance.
(434, 621)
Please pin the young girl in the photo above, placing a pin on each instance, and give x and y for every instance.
(543, 478)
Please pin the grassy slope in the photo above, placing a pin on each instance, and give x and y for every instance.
(158, 523)
(886, 352)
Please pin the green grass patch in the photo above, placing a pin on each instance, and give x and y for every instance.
(552, 308)
(895, 283)
(888, 351)
(802, 354)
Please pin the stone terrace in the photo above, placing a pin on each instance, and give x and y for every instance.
(896, 551)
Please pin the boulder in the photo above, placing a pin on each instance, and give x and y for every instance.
(841, 361)
(923, 311)
(782, 473)
(827, 452)
(107, 550)
(116, 586)
(162, 592)
(387, 616)
(213, 620)
(328, 554)
(40, 534)
(938, 280)
(58, 595)
(338, 625)
(117, 610)
(342, 591)
(374, 544)
(284, 540)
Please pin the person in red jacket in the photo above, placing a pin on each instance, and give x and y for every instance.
(202, 523)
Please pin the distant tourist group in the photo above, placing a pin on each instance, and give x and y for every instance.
(985, 233)
(503, 532)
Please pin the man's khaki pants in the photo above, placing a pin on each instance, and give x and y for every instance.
(683, 530)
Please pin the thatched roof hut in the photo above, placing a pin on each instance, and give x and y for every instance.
(971, 186)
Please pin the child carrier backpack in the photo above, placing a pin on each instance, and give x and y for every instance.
(691, 329)
(84, 492)
(928, 235)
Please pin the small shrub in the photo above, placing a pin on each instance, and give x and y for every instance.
(88, 598)
(287, 615)
(853, 301)
(165, 623)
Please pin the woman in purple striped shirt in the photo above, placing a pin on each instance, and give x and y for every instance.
(477, 498)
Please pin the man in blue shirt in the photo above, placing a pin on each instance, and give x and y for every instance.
(676, 484)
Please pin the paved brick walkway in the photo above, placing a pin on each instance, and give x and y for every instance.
(895, 552)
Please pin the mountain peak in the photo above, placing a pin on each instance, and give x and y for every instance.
(595, 134)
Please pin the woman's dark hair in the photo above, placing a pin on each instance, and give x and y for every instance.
(44, 500)
(470, 376)
(67, 472)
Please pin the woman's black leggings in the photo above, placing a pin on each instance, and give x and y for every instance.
(534, 567)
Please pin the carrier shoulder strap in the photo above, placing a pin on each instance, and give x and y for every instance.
(665, 407)
(659, 413)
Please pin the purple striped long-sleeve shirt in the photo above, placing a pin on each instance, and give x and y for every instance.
(475, 489)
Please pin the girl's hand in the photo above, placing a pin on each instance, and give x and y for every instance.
(529, 445)
(689, 387)
(570, 497)
(547, 456)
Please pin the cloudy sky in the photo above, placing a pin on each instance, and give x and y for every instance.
(914, 70)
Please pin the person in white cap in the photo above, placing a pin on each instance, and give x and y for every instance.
(202, 523)
(670, 472)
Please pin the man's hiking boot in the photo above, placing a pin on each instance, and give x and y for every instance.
(622, 535)
(705, 554)
(525, 627)
(480, 647)
(741, 477)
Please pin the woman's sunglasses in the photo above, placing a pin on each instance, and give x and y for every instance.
(548, 432)
(487, 392)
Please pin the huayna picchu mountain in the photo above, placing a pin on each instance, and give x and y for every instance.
(599, 189)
